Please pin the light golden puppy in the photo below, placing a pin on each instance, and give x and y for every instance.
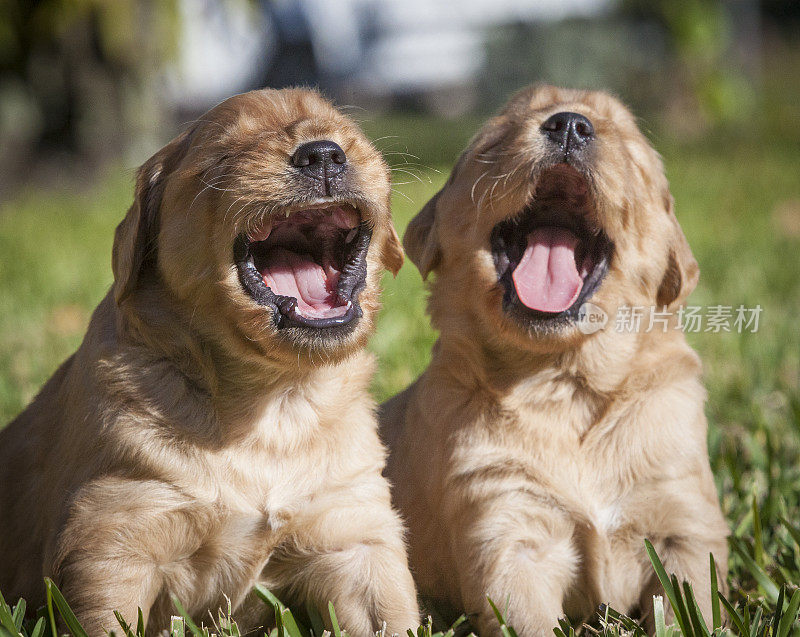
(214, 429)
(532, 458)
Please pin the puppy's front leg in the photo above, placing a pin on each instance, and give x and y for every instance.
(350, 551)
(120, 539)
(519, 554)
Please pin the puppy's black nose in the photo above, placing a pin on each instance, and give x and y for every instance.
(321, 159)
(571, 131)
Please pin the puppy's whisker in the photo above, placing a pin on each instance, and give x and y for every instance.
(401, 153)
(233, 203)
(422, 168)
(491, 193)
(354, 107)
(215, 184)
(505, 182)
(208, 185)
(375, 141)
(472, 192)
(402, 194)
(410, 174)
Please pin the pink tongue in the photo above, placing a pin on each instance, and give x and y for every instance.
(546, 278)
(291, 274)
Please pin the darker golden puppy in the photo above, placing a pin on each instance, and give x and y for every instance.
(214, 429)
(553, 448)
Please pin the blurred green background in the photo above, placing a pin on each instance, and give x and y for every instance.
(717, 87)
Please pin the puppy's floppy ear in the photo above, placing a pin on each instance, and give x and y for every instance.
(135, 236)
(421, 241)
(682, 272)
(393, 255)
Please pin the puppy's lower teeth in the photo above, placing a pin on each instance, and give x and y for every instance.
(351, 235)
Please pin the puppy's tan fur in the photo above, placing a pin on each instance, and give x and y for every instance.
(189, 447)
(531, 465)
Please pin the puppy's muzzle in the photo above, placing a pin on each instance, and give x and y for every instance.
(323, 161)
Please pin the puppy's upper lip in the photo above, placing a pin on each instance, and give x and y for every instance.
(551, 256)
(319, 202)
(308, 264)
(336, 216)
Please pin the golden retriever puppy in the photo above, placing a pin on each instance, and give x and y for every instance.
(214, 429)
(537, 452)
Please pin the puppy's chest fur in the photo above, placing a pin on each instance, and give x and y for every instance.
(578, 446)
(555, 448)
(272, 475)
(570, 454)
(242, 501)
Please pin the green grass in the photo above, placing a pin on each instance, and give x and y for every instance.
(739, 204)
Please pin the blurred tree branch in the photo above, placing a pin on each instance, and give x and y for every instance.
(78, 75)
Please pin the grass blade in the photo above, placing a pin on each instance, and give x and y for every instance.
(50, 613)
(64, 610)
(197, 632)
(497, 612)
(505, 629)
(666, 584)
(695, 614)
(776, 618)
(6, 617)
(755, 625)
(126, 627)
(452, 630)
(177, 626)
(747, 623)
(337, 632)
(661, 572)
(716, 615)
(789, 615)
(317, 625)
(38, 628)
(19, 614)
(267, 596)
(658, 614)
(758, 540)
(768, 587)
(290, 624)
(632, 628)
(793, 530)
(284, 619)
(681, 613)
(734, 615)
(140, 623)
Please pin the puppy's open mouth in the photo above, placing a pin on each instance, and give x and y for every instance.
(308, 266)
(552, 256)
